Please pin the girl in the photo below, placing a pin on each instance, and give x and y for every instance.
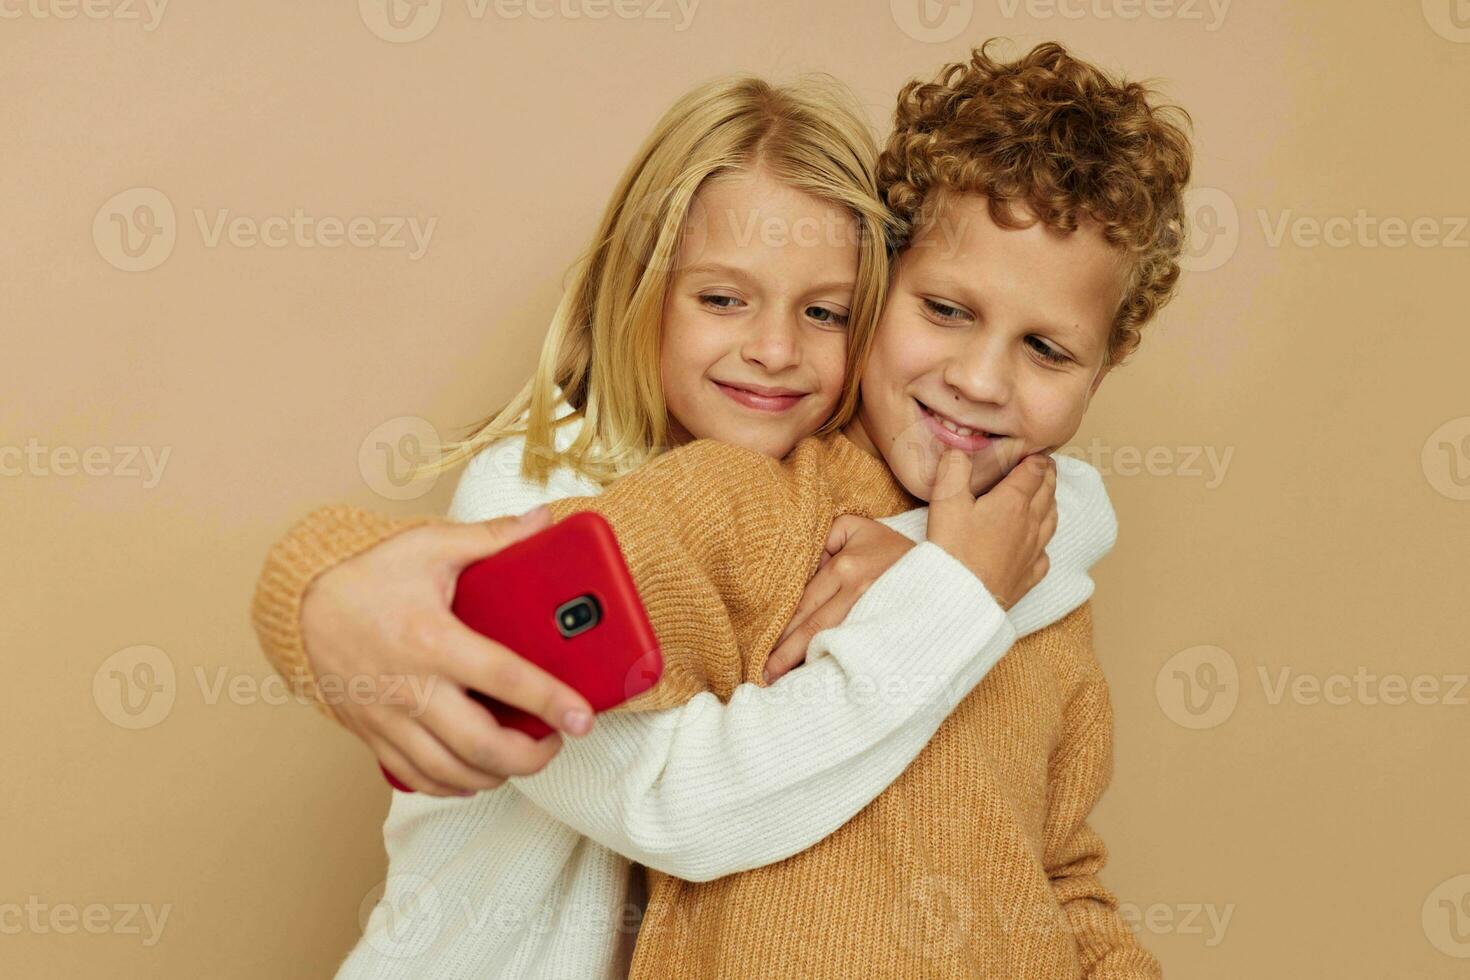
(753, 337)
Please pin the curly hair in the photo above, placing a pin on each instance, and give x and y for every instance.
(1062, 138)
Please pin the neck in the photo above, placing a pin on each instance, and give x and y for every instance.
(854, 430)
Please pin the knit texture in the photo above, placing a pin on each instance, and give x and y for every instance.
(977, 861)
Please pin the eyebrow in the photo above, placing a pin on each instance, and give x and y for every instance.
(717, 268)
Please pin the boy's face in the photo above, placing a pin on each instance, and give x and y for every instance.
(996, 330)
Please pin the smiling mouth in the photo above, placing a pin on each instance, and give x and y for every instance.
(950, 425)
(760, 398)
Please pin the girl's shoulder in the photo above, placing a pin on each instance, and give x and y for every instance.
(492, 484)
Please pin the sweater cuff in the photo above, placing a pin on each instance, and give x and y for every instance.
(942, 611)
(322, 540)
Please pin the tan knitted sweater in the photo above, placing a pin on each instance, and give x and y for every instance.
(977, 861)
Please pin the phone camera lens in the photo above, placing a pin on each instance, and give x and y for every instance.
(578, 615)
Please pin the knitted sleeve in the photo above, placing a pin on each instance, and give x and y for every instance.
(317, 542)
(1081, 768)
(709, 532)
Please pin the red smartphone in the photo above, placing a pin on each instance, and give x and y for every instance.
(565, 600)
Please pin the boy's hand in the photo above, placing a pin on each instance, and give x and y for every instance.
(1002, 536)
(857, 552)
(381, 625)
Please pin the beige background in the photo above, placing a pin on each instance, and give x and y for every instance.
(1256, 830)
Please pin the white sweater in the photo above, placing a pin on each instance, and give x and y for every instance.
(534, 879)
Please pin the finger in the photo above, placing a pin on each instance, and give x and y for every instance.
(480, 664)
(841, 532)
(792, 653)
(1026, 478)
(951, 491)
(435, 760)
(1047, 528)
(468, 729)
(1045, 497)
(466, 543)
(1038, 571)
(821, 588)
(405, 771)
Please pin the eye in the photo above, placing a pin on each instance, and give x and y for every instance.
(945, 312)
(1046, 351)
(719, 301)
(823, 315)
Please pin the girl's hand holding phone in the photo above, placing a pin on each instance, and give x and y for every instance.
(380, 626)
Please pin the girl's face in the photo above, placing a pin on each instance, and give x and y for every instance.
(993, 341)
(754, 343)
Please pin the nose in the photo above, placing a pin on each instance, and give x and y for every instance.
(774, 342)
(981, 371)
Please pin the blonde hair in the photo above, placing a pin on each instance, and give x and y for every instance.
(602, 350)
